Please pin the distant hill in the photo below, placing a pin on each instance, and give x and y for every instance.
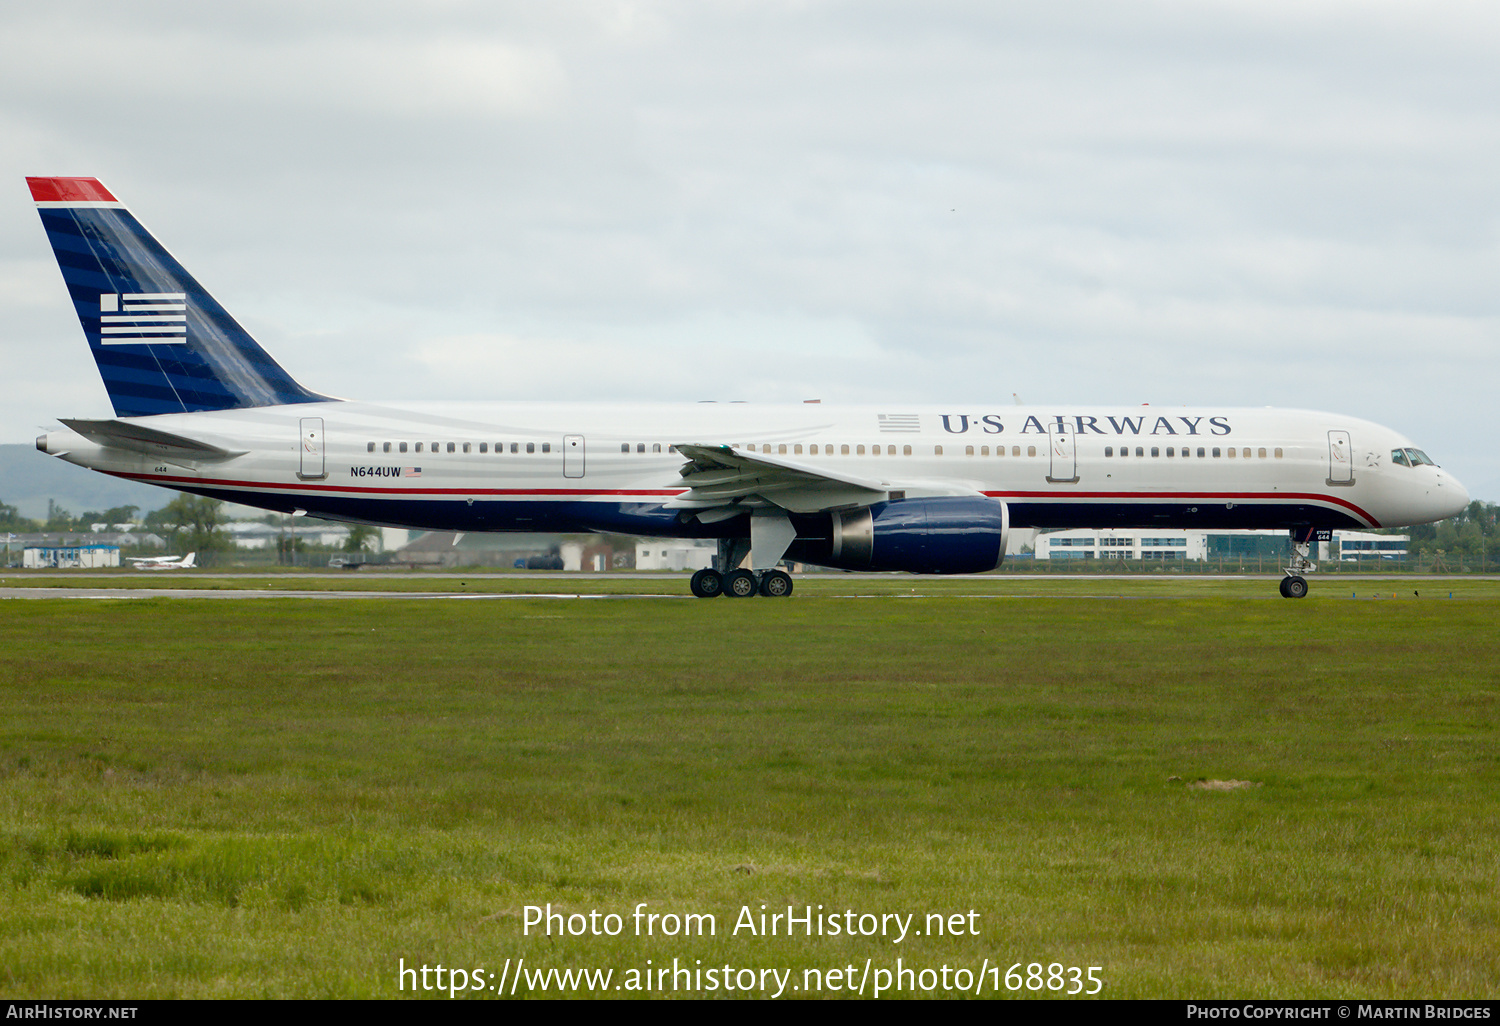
(29, 478)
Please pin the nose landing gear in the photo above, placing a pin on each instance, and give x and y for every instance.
(1294, 584)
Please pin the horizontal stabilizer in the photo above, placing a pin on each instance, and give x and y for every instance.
(117, 434)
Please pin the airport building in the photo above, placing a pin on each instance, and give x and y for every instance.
(1158, 543)
(70, 557)
(674, 554)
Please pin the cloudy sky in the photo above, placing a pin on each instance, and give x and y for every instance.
(1210, 202)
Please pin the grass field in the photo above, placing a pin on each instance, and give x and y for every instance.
(286, 797)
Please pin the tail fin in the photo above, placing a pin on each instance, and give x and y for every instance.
(187, 561)
(163, 344)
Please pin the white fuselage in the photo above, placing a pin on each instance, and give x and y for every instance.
(581, 467)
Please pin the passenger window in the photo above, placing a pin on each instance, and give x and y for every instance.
(843, 450)
(370, 447)
(937, 450)
(859, 450)
(467, 447)
(1261, 453)
(641, 447)
(436, 447)
(656, 447)
(1155, 453)
(1231, 452)
(1245, 453)
(624, 446)
(450, 447)
(1031, 450)
(1200, 452)
(968, 450)
(516, 447)
(484, 446)
(797, 450)
(531, 447)
(906, 450)
(1109, 450)
(1015, 450)
(419, 447)
(1170, 453)
(812, 450)
(385, 446)
(546, 447)
(984, 450)
(1278, 454)
(403, 446)
(1140, 450)
(1216, 452)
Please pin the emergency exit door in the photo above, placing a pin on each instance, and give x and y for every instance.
(572, 455)
(312, 449)
(1064, 453)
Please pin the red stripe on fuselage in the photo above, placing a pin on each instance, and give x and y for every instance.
(1193, 497)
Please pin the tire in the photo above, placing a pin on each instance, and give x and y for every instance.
(1282, 588)
(1296, 587)
(775, 584)
(707, 584)
(739, 584)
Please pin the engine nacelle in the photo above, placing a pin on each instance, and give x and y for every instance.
(945, 535)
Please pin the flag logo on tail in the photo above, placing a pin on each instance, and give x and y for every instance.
(131, 318)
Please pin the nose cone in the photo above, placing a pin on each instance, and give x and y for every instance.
(1451, 494)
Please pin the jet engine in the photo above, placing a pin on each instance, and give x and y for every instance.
(945, 535)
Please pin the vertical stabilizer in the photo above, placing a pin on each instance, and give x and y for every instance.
(163, 344)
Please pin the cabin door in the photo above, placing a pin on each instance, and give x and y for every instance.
(1340, 459)
(312, 449)
(1064, 454)
(572, 455)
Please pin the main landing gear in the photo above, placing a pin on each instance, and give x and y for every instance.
(769, 582)
(1294, 585)
(742, 583)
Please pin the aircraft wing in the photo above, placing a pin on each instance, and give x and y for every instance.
(117, 434)
(724, 481)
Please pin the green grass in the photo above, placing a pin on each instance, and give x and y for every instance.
(284, 797)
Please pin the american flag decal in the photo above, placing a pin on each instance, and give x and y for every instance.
(900, 423)
(411, 471)
(131, 318)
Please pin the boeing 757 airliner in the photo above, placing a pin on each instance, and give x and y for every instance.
(201, 407)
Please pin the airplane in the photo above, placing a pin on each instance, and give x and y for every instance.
(200, 407)
(162, 562)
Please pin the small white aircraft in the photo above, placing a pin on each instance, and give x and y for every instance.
(162, 562)
(201, 407)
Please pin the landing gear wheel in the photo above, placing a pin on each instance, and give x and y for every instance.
(1294, 587)
(775, 584)
(740, 584)
(707, 584)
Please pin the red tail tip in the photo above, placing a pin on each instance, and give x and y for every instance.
(69, 190)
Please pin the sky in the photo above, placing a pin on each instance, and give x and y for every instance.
(1208, 203)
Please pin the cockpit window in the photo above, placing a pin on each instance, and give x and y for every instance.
(1411, 458)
